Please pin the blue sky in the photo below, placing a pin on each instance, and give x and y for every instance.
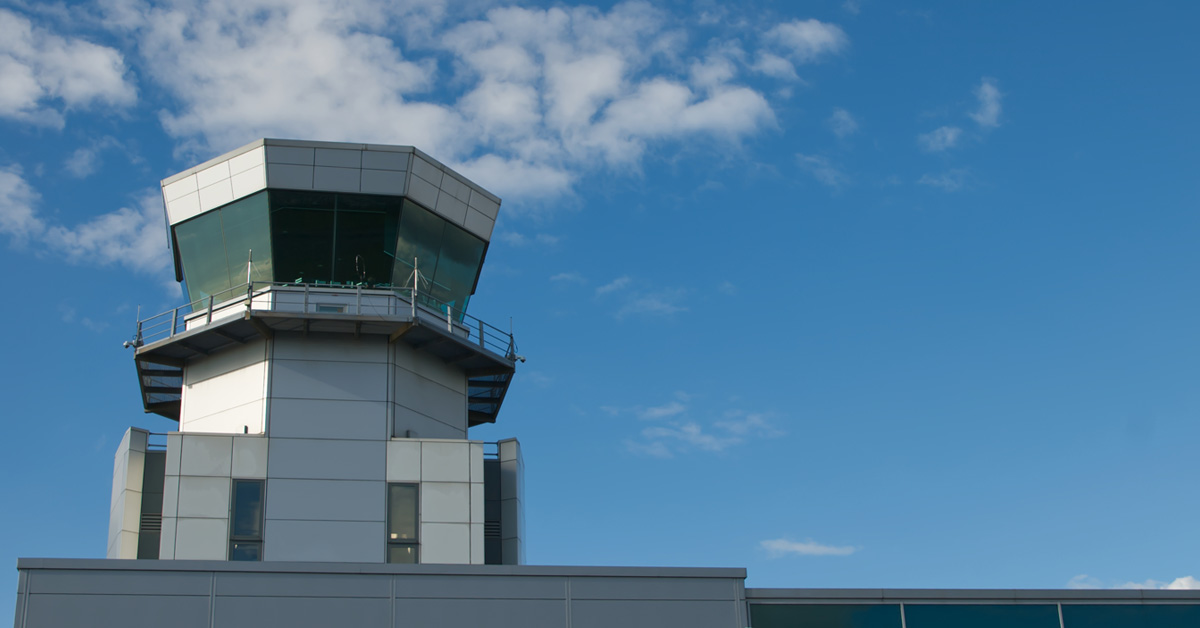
(852, 294)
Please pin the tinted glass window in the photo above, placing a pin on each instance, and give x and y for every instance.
(365, 238)
(247, 509)
(402, 512)
(247, 228)
(302, 235)
(202, 252)
(825, 615)
(1131, 616)
(980, 616)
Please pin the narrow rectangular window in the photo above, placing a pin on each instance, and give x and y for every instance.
(246, 520)
(403, 521)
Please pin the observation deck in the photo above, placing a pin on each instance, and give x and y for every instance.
(164, 342)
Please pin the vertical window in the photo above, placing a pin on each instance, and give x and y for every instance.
(402, 524)
(246, 520)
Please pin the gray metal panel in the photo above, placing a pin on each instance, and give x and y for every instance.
(290, 176)
(489, 613)
(339, 157)
(429, 398)
(326, 459)
(320, 418)
(277, 154)
(303, 585)
(382, 182)
(114, 582)
(649, 589)
(379, 160)
(651, 614)
(324, 541)
(326, 500)
(256, 612)
(481, 587)
(353, 381)
(336, 179)
(151, 611)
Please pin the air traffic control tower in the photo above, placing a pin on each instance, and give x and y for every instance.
(325, 373)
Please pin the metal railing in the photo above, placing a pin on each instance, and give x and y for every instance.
(378, 301)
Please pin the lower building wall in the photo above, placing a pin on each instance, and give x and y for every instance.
(152, 594)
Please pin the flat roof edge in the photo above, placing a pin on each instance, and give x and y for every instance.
(994, 596)
(107, 564)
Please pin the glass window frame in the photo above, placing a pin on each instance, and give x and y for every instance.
(413, 543)
(246, 539)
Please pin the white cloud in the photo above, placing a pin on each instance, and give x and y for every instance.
(131, 237)
(842, 123)
(951, 181)
(774, 65)
(808, 41)
(43, 73)
(571, 277)
(1084, 581)
(537, 97)
(661, 412)
(854, 7)
(690, 435)
(18, 214)
(822, 170)
(660, 303)
(616, 284)
(778, 548)
(744, 423)
(989, 96)
(939, 139)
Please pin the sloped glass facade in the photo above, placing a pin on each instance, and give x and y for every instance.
(326, 238)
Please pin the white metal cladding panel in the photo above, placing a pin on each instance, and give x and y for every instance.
(324, 541)
(212, 174)
(330, 347)
(429, 398)
(180, 188)
(382, 182)
(446, 543)
(250, 457)
(427, 170)
(477, 500)
(223, 392)
(429, 367)
(201, 539)
(321, 418)
(416, 425)
(314, 379)
(477, 544)
(216, 195)
(170, 495)
(166, 539)
(404, 461)
(247, 161)
(184, 207)
(445, 502)
(383, 160)
(326, 500)
(326, 459)
(231, 359)
(248, 182)
(203, 497)
(476, 454)
(339, 157)
(445, 461)
(206, 455)
(246, 418)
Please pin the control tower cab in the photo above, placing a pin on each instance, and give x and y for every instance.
(325, 372)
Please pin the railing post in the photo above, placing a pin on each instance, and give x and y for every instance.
(174, 321)
(306, 298)
(449, 324)
(208, 317)
(481, 346)
(358, 300)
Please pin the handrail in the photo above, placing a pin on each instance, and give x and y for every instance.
(378, 301)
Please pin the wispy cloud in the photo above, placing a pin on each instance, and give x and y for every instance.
(808, 41)
(939, 139)
(657, 303)
(989, 96)
(778, 548)
(842, 123)
(620, 283)
(668, 409)
(569, 277)
(951, 181)
(513, 238)
(677, 431)
(822, 170)
(1084, 581)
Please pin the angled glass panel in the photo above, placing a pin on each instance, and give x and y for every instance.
(247, 228)
(981, 615)
(1131, 615)
(419, 238)
(245, 550)
(366, 238)
(202, 253)
(825, 615)
(302, 235)
(458, 266)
